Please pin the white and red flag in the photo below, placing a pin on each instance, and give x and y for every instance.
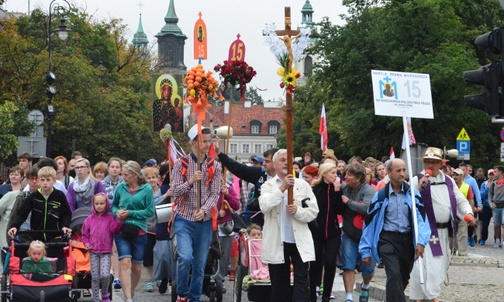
(411, 136)
(391, 153)
(323, 130)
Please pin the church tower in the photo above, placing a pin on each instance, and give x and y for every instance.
(305, 65)
(171, 42)
(140, 38)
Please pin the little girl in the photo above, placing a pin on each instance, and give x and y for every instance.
(36, 263)
(97, 235)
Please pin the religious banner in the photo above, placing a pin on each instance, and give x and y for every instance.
(167, 102)
(200, 39)
(235, 70)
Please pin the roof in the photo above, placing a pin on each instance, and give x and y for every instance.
(241, 117)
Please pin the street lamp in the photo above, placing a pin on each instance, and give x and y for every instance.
(51, 91)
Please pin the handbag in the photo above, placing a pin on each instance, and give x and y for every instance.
(227, 227)
(240, 221)
(129, 231)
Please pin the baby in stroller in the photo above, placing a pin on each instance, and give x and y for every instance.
(36, 262)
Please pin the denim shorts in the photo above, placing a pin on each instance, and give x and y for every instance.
(350, 251)
(131, 249)
(497, 216)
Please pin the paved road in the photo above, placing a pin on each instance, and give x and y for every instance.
(476, 277)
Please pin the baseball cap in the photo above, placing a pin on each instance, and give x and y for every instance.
(193, 132)
(491, 171)
(458, 171)
(258, 159)
(151, 162)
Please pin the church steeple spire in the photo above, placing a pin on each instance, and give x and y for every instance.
(171, 42)
(307, 14)
(171, 21)
(140, 38)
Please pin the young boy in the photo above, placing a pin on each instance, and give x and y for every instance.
(49, 208)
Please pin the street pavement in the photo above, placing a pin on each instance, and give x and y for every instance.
(476, 277)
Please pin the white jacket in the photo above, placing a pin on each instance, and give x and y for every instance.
(270, 201)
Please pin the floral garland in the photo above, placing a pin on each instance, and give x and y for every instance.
(279, 47)
(200, 85)
(236, 73)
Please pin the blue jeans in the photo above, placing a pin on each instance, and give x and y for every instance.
(350, 251)
(134, 249)
(193, 244)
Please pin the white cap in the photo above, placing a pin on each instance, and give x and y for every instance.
(193, 132)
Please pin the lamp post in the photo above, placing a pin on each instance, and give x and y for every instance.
(51, 91)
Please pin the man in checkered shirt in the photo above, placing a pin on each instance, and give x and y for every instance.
(193, 226)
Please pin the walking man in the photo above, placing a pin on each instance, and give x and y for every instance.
(389, 231)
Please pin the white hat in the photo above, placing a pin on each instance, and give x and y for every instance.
(193, 132)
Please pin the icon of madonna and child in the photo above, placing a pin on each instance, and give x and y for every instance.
(167, 108)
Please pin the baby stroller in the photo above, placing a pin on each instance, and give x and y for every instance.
(212, 287)
(252, 275)
(80, 254)
(26, 287)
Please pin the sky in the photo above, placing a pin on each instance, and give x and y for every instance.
(224, 20)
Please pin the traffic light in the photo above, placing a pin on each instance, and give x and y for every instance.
(489, 76)
(50, 90)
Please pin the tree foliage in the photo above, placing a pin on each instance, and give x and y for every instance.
(103, 83)
(434, 37)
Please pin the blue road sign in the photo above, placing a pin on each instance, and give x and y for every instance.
(464, 146)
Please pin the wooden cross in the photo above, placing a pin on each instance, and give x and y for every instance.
(287, 35)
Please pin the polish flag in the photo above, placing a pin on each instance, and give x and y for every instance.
(172, 152)
(391, 153)
(323, 130)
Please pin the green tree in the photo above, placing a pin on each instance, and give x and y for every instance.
(103, 103)
(433, 37)
(8, 141)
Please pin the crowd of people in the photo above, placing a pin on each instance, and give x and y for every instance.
(354, 215)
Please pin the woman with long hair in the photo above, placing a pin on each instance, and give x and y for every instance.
(325, 230)
(62, 172)
(81, 191)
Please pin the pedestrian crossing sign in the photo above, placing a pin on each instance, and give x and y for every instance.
(463, 136)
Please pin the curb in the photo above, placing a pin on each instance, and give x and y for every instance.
(377, 290)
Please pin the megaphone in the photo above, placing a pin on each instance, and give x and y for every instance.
(222, 132)
(451, 153)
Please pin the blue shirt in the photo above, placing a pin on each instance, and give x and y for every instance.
(474, 187)
(397, 213)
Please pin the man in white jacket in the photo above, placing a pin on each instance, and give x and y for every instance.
(286, 236)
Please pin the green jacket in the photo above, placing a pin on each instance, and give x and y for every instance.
(41, 267)
(140, 205)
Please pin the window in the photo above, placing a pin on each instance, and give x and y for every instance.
(246, 148)
(269, 146)
(254, 129)
(233, 148)
(273, 127)
(258, 149)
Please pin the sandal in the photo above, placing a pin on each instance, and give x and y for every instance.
(364, 295)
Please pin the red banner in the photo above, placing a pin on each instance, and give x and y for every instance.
(237, 50)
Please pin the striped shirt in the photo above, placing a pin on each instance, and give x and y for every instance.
(185, 202)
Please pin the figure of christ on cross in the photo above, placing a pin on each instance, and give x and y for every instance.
(288, 35)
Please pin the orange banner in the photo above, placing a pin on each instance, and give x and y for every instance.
(200, 39)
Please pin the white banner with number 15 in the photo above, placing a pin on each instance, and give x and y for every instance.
(402, 94)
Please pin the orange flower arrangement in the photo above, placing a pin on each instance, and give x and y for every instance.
(200, 85)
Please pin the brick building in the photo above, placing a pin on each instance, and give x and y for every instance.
(255, 127)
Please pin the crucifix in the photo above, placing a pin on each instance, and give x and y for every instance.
(287, 35)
